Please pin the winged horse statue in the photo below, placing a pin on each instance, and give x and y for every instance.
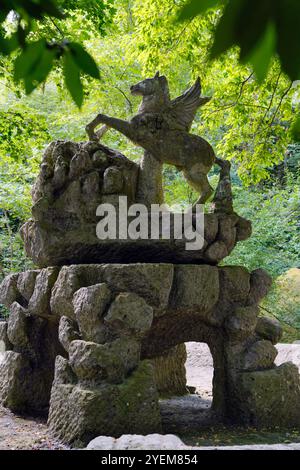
(161, 128)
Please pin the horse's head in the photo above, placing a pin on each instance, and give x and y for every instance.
(157, 85)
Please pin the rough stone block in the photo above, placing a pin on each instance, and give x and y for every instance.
(98, 362)
(269, 398)
(67, 332)
(260, 284)
(15, 375)
(39, 303)
(26, 283)
(234, 283)
(129, 313)
(112, 181)
(241, 324)
(8, 290)
(90, 304)
(5, 344)
(269, 328)
(17, 327)
(195, 288)
(260, 355)
(79, 414)
(153, 282)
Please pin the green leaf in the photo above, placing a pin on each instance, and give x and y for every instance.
(39, 9)
(287, 17)
(28, 59)
(41, 70)
(260, 57)
(225, 31)
(195, 7)
(84, 61)
(8, 44)
(72, 79)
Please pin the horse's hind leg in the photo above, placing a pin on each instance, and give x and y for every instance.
(199, 183)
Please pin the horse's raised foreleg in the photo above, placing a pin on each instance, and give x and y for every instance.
(120, 125)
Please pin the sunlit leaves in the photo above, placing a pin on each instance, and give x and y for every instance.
(260, 28)
(36, 59)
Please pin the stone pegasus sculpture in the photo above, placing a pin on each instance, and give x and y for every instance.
(161, 128)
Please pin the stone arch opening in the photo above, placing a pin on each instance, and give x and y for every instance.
(168, 333)
(199, 369)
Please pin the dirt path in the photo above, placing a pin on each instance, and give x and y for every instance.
(25, 433)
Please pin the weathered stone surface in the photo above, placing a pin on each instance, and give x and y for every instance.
(26, 283)
(63, 372)
(15, 375)
(67, 332)
(195, 288)
(260, 283)
(80, 164)
(110, 361)
(67, 283)
(112, 181)
(269, 398)
(129, 313)
(170, 373)
(79, 414)
(215, 252)
(227, 230)
(90, 304)
(8, 290)
(234, 283)
(260, 355)
(137, 442)
(211, 227)
(269, 328)
(241, 324)
(17, 327)
(39, 303)
(153, 282)
(5, 344)
(243, 229)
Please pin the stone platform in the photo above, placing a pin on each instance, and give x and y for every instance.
(74, 179)
(113, 320)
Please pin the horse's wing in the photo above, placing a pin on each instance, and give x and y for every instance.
(183, 109)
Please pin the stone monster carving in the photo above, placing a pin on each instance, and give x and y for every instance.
(162, 127)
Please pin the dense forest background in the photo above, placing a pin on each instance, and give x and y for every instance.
(249, 121)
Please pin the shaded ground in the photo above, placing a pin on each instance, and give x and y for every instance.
(18, 433)
(221, 436)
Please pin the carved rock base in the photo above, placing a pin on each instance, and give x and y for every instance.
(114, 322)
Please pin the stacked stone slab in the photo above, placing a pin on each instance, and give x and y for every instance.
(93, 341)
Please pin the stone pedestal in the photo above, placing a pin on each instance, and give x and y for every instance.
(115, 321)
